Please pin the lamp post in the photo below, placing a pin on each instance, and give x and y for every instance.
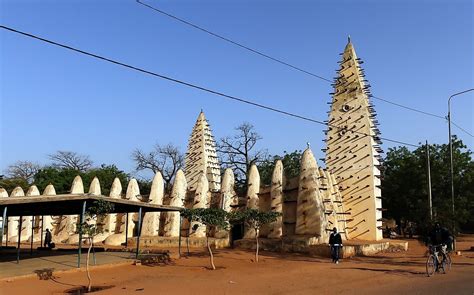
(429, 180)
(451, 146)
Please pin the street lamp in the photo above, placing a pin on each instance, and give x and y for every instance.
(451, 146)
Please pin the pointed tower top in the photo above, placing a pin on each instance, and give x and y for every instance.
(201, 156)
(201, 116)
(349, 50)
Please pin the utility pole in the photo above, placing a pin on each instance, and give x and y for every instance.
(451, 150)
(429, 179)
(451, 159)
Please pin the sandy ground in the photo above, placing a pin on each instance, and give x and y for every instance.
(276, 273)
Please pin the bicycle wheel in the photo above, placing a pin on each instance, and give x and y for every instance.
(448, 261)
(430, 265)
(442, 265)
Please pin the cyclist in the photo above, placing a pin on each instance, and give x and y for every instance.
(440, 235)
(440, 238)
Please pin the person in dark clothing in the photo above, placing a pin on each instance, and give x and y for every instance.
(335, 242)
(440, 235)
(441, 241)
(48, 237)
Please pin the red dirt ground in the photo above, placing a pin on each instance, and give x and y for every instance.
(276, 273)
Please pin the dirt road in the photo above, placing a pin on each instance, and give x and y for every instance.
(384, 273)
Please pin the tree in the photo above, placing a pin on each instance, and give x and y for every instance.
(144, 185)
(89, 228)
(211, 218)
(62, 178)
(254, 219)
(238, 152)
(106, 175)
(10, 183)
(404, 185)
(71, 160)
(25, 170)
(166, 159)
(291, 165)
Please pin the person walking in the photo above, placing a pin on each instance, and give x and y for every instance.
(335, 242)
(48, 237)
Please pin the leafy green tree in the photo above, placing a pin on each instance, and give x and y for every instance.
(405, 188)
(90, 228)
(10, 183)
(62, 178)
(106, 175)
(254, 219)
(211, 218)
(145, 186)
(291, 165)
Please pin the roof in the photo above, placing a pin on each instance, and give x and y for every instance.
(70, 204)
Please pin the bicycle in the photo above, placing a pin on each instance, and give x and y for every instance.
(434, 263)
(445, 250)
(448, 260)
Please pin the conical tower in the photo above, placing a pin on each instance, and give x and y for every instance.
(352, 151)
(202, 157)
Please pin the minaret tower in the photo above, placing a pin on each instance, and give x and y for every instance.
(352, 152)
(202, 157)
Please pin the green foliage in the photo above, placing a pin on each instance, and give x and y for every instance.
(291, 165)
(10, 183)
(106, 175)
(62, 178)
(405, 186)
(253, 217)
(98, 210)
(144, 186)
(89, 229)
(211, 217)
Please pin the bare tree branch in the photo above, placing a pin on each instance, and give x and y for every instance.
(238, 153)
(25, 170)
(164, 159)
(71, 160)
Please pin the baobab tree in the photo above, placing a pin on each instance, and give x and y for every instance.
(25, 170)
(166, 159)
(70, 160)
(239, 152)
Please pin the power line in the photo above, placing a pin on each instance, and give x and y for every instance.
(255, 51)
(465, 131)
(408, 108)
(192, 85)
(233, 42)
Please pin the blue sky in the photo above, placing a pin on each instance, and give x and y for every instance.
(416, 53)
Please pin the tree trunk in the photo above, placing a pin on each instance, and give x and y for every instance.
(256, 240)
(210, 253)
(187, 243)
(89, 285)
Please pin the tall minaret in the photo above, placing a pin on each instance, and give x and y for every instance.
(202, 157)
(352, 156)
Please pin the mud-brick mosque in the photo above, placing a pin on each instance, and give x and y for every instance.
(345, 194)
